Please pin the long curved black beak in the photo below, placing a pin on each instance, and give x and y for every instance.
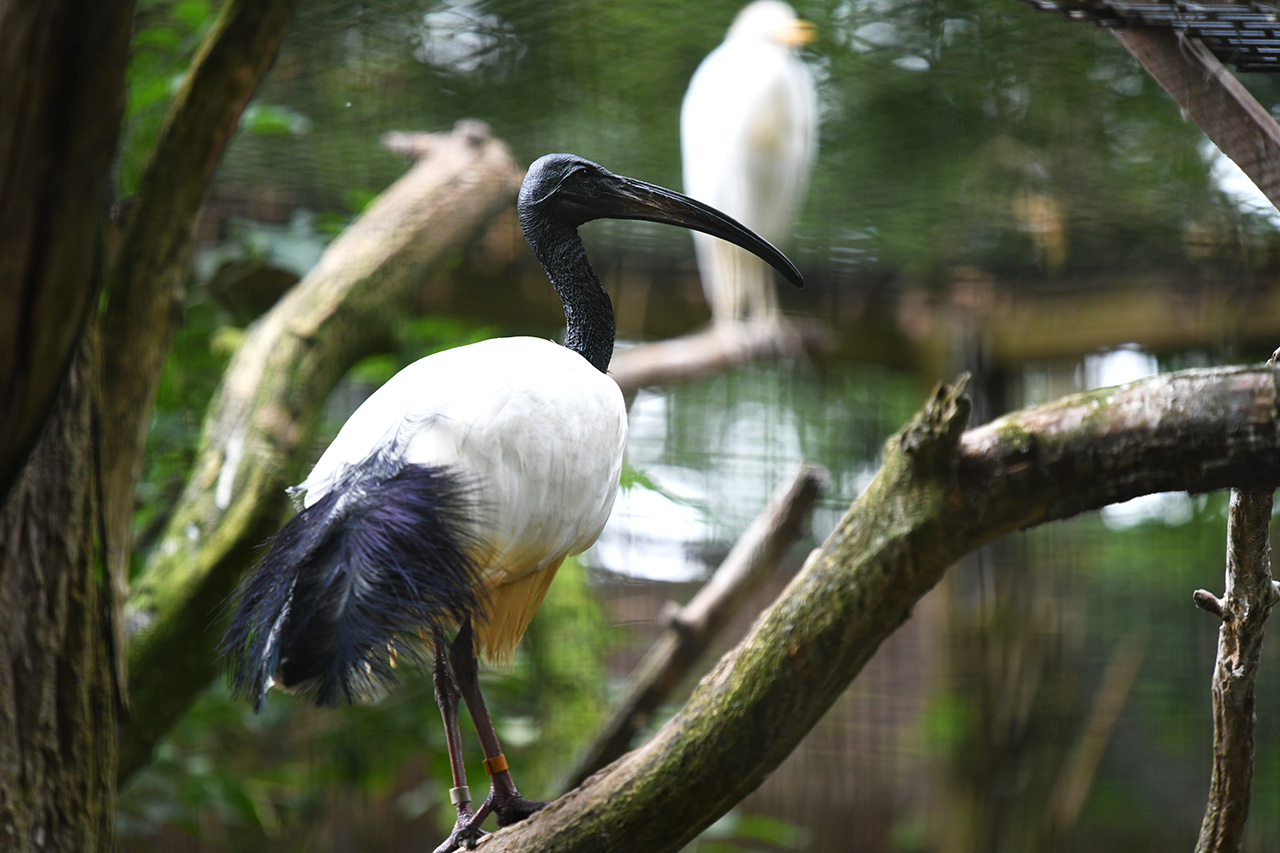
(627, 198)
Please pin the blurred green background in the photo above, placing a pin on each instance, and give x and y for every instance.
(997, 190)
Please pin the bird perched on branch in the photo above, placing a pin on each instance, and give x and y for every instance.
(748, 135)
(449, 499)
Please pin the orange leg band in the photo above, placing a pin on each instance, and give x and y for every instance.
(496, 764)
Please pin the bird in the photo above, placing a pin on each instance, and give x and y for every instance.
(450, 497)
(748, 138)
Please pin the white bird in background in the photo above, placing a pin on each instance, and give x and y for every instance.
(748, 136)
(452, 495)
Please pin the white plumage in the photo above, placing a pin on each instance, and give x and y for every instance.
(539, 433)
(748, 136)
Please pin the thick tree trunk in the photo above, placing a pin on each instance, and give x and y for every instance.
(64, 528)
(57, 690)
(60, 110)
(62, 63)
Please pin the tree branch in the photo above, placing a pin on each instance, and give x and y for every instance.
(144, 284)
(938, 495)
(262, 417)
(691, 628)
(1250, 595)
(712, 350)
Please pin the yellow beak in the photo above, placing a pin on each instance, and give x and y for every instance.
(797, 33)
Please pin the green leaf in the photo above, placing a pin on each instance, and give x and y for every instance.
(271, 120)
(192, 14)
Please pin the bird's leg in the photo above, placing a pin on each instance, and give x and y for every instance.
(504, 800)
(466, 829)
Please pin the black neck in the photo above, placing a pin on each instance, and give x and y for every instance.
(588, 312)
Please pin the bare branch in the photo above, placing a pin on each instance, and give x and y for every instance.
(1071, 791)
(1249, 597)
(1209, 603)
(712, 350)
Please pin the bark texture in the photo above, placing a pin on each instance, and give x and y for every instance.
(1250, 595)
(941, 493)
(60, 110)
(65, 528)
(57, 690)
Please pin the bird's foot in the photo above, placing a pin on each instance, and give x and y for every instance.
(515, 809)
(466, 831)
(504, 798)
(464, 836)
(508, 810)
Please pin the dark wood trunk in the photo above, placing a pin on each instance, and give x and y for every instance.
(60, 111)
(57, 690)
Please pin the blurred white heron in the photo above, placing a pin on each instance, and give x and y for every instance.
(748, 135)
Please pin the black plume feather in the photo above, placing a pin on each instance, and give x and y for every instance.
(351, 583)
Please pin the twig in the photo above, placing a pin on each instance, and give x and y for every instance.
(691, 629)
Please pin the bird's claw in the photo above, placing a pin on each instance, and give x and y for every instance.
(515, 810)
(467, 832)
(464, 836)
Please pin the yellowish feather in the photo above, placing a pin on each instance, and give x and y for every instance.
(509, 610)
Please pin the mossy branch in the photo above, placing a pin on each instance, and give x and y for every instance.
(940, 493)
(259, 423)
(144, 281)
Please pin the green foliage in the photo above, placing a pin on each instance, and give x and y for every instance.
(968, 132)
(168, 34)
(955, 131)
(268, 120)
(418, 337)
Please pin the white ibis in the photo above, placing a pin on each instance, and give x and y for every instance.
(452, 495)
(748, 135)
